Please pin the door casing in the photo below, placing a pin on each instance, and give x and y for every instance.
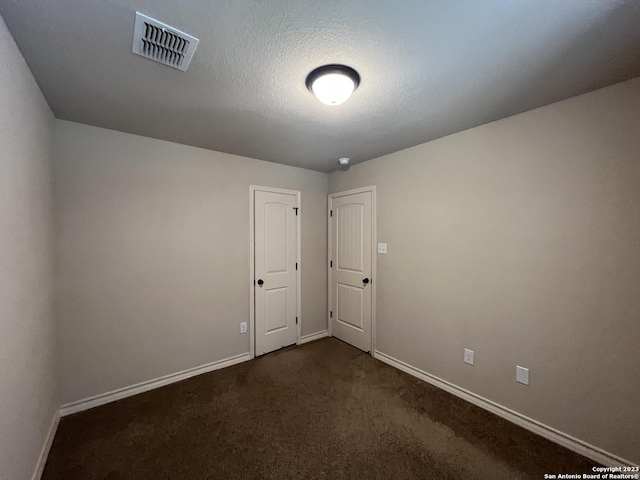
(374, 254)
(252, 288)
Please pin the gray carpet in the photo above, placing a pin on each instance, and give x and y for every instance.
(323, 410)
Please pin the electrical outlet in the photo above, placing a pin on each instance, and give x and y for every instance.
(468, 356)
(382, 248)
(522, 375)
(243, 327)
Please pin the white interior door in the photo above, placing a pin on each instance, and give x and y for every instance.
(351, 268)
(275, 250)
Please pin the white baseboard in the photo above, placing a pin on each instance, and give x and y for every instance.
(125, 392)
(44, 454)
(594, 453)
(314, 336)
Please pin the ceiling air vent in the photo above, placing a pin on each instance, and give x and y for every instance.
(162, 43)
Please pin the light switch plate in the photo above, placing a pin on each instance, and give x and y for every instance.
(468, 356)
(382, 248)
(522, 375)
(243, 327)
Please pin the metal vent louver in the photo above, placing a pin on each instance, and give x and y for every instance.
(164, 44)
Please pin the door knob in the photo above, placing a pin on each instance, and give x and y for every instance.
(365, 281)
(260, 282)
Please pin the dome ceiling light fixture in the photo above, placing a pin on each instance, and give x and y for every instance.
(333, 84)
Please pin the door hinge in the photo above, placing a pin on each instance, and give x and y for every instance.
(296, 320)
(296, 265)
(331, 213)
(331, 314)
(296, 209)
(330, 263)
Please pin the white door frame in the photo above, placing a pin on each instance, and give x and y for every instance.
(374, 241)
(252, 267)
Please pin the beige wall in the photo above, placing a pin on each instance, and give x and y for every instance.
(520, 239)
(153, 264)
(28, 399)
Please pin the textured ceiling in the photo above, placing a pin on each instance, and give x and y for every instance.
(429, 68)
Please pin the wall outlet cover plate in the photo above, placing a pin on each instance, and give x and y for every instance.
(522, 375)
(468, 356)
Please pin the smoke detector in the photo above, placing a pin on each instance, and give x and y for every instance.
(343, 161)
(162, 43)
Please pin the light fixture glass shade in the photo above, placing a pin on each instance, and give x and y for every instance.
(333, 84)
(333, 88)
